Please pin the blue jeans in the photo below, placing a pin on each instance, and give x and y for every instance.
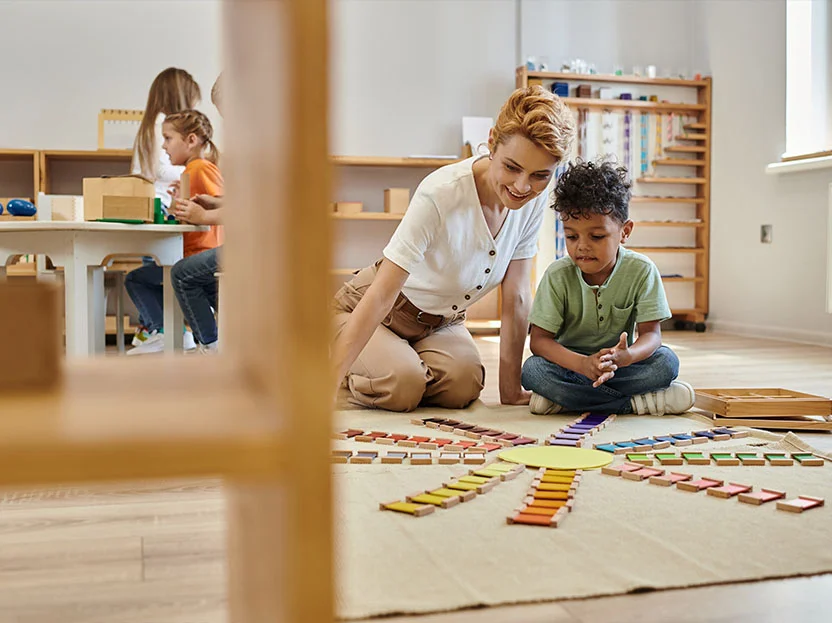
(196, 290)
(144, 285)
(574, 392)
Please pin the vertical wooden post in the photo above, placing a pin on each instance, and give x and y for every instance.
(276, 305)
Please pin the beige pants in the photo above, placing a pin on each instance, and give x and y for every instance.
(407, 363)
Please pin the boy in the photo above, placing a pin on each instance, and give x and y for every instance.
(588, 305)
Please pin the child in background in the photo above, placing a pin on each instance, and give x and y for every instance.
(187, 141)
(588, 305)
(172, 91)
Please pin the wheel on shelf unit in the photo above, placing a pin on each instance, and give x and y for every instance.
(680, 325)
(700, 327)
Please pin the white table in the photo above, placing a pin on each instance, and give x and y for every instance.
(81, 247)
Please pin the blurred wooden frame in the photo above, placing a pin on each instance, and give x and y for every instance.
(277, 320)
(115, 114)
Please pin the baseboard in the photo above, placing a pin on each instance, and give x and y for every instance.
(814, 338)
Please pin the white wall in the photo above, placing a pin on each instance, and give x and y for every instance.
(777, 289)
(64, 60)
(405, 72)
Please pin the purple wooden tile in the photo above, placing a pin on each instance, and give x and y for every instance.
(563, 442)
(567, 436)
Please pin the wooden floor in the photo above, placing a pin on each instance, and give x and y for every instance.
(154, 552)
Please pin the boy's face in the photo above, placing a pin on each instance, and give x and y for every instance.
(593, 242)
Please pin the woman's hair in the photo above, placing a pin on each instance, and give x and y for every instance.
(216, 93)
(538, 115)
(172, 91)
(588, 188)
(194, 122)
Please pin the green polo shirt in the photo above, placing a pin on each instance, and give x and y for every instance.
(587, 318)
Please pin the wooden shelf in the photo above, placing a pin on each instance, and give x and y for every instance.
(695, 126)
(88, 431)
(692, 250)
(17, 154)
(569, 77)
(687, 312)
(367, 216)
(645, 199)
(586, 102)
(382, 161)
(691, 137)
(672, 180)
(678, 162)
(687, 149)
(683, 279)
(97, 154)
(668, 224)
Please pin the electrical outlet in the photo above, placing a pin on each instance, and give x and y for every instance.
(765, 234)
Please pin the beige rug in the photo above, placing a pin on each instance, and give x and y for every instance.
(622, 536)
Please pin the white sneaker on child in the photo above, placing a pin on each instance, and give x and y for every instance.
(155, 343)
(677, 398)
(539, 405)
(188, 341)
(209, 349)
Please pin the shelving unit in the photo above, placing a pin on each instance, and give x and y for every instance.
(362, 237)
(688, 151)
(62, 171)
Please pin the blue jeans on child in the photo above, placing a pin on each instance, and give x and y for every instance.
(196, 290)
(574, 392)
(144, 285)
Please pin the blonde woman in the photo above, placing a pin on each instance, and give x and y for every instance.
(471, 226)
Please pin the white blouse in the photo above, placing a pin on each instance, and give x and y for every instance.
(444, 242)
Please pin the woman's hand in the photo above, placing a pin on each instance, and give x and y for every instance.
(188, 211)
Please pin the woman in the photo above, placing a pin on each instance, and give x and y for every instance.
(470, 227)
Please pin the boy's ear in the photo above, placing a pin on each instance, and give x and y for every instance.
(626, 230)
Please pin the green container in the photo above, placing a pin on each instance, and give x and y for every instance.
(158, 214)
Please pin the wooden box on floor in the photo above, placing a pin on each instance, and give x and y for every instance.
(766, 408)
(30, 331)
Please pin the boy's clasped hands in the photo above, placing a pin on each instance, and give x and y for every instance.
(601, 366)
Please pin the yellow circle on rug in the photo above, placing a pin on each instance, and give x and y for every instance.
(555, 457)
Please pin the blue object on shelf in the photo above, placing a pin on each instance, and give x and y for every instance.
(561, 89)
(21, 207)
(1, 208)
(626, 96)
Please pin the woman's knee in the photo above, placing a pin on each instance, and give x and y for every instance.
(461, 384)
(400, 389)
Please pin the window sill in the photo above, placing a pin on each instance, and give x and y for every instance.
(796, 166)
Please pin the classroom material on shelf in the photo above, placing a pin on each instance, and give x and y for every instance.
(575, 433)
(659, 442)
(474, 431)
(549, 499)
(348, 208)
(129, 197)
(459, 489)
(126, 121)
(766, 408)
(31, 333)
(396, 200)
(648, 133)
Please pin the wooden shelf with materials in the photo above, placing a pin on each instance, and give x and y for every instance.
(693, 141)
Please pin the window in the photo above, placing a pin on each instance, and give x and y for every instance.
(808, 120)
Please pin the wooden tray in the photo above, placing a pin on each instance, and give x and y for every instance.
(761, 403)
(790, 423)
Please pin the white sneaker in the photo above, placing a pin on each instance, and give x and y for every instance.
(540, 405)
(155, 343)
(140, 336)
(677, 398)
(209, 349)
(188, 341)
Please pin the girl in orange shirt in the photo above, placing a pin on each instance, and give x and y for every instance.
(188, 141)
